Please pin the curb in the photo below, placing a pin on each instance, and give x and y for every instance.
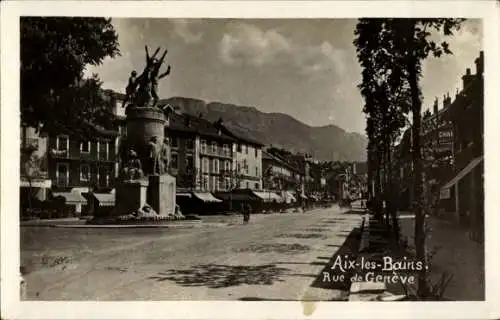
(365, 291)
(125, 226)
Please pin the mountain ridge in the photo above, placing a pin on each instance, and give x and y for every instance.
(326, 143)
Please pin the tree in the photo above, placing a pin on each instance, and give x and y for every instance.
(385, 92)
(399, 47)
(54, 55)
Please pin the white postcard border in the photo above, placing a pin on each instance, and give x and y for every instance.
(12, 308)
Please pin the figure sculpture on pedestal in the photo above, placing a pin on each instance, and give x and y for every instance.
(143, 90)
(132, 169)
(131, 88)
(154, 153)
(165, 156)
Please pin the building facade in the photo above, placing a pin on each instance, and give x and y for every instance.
(466, 189)
(201, 156)
(247, 158)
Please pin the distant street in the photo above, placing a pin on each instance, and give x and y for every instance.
(275, 257)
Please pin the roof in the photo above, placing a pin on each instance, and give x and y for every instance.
(268, 156)
(238, 134)
(195, 125)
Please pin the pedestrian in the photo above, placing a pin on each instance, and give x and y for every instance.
(246, 212)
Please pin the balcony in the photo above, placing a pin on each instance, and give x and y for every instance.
(59, 154)
(221, 153)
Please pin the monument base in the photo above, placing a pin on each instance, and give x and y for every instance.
(161, 194)
(130, 196)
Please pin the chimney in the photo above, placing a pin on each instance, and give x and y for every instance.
(467, 78)
(436, 107)
(480, 63)
(446, 100)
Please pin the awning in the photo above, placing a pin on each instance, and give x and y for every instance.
(289, 197)
(107, 199)
(236, 197)
(36, 184)
(70, 197)
(463, 173)
(313, 197)
(184, 194)
(206, 197)
(268, 196)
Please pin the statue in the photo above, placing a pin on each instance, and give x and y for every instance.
(132, 169)
(131, 89)
(154, 156)
(165, 156)
(143, 91)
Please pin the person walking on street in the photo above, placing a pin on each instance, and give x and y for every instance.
(246, 212)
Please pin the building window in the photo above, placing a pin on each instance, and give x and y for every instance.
(214, 147)
(174, 142)
(249, 149)
(62, 174)
(226, 151)
(189, 144)
(205, 165)
(257, 186)
(85, 146)
(227, 166)
(245, 166)
(247, 185)
(62, 143)
(215, 183)
(109, 147)
(205, 182)
(215, 166)
(84, 172)
(256, 153)
(173, 161)
(204, 146)
(256, 171)
(189, 163)
(238, 166)
(244, 148)
(103, 150)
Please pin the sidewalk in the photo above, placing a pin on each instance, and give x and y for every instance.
(456, 255)
(48, 222)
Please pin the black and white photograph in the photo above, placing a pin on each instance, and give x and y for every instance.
(249, 159)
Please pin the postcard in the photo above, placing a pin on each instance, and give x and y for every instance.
(275, 160)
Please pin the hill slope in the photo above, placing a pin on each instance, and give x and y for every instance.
(280, 130)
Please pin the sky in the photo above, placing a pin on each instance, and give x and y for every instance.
(306, 68)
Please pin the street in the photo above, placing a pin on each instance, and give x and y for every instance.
(274, 257)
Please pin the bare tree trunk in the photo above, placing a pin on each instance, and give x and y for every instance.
(377, 189)
(420, 237)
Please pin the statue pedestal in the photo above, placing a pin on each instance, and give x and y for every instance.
(130, 196)
(161, 194)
